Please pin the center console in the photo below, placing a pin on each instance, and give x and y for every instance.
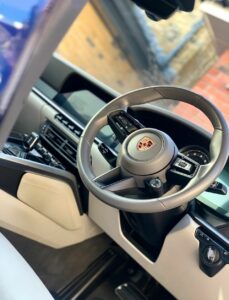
(51, 146)
(47, 152)
(31, 147)
(61, 144)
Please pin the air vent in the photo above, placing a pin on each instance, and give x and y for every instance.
(70, 151)
(54, 136)
(59, 142)
(76, 130)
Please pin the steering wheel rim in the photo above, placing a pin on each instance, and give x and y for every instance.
(206, 174)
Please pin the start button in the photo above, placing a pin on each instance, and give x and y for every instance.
(211, 254)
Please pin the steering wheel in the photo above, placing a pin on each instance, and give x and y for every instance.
(148, 159)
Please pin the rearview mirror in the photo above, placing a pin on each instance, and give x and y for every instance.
(163, 9)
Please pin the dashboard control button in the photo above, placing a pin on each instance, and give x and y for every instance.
(59, 117)
(122, 124)
(200, 235)
(38, 147)
(211, 254)
(155, 187)
(68, 123)
(183, 166)
(65, 122)
(30, 141)
(226, 255)
(47, 157)
(71, 127)
(107, 154)
(43, 151)
(130, 128)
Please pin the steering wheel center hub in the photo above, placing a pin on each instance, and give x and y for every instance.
(147, 151)
(144, 146)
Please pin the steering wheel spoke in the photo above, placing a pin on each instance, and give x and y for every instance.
(201, 171)
(113, 181)
(123, 124)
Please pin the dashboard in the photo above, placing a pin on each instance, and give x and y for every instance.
(66, 114)
(75, 109)
(65, 110)
(53, 121)
(50, 126)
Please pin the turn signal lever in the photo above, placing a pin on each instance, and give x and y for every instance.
(217, 188)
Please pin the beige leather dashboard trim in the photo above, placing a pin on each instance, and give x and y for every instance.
(177, 266)
(18, 217)
(51, 197)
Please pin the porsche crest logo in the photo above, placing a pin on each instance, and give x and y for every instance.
(145, 143)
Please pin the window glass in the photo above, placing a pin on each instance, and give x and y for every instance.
(115, 42)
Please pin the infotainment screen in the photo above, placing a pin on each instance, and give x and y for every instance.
(83, 105)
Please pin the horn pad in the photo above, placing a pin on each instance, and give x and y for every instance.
(147, 151)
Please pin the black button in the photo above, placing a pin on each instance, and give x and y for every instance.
(183, 166)
(199, 234)
(38, 148)
(103, 149)
(47, 157)
(155, 187)
(225, 256)
(130, 129)
(107, 154)
(43, 152)
(226, 253)
(121, 129)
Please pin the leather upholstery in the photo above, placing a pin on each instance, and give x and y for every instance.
(17, 279)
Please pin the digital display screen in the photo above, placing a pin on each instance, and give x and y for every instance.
(82, 106)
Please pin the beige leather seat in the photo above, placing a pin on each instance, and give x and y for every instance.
(17, 279)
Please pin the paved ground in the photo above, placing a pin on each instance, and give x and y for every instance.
(215, 86)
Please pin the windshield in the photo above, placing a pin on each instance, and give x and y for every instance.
(116, 43)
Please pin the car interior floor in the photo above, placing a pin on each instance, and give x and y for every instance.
(96, 269)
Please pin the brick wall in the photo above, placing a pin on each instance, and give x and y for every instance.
(214, 85)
